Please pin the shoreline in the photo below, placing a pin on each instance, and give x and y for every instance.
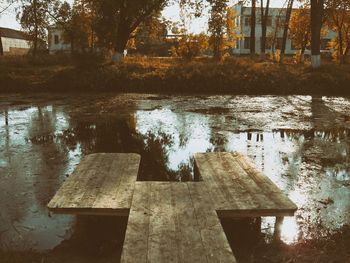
(234, 76)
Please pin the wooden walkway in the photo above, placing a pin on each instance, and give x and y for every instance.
(239, 189)
(102, 184)
(172, 221)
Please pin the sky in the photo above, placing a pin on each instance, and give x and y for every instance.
(172, 13)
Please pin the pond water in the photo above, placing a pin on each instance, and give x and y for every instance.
(302, 143)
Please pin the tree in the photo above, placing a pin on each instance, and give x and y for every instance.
(231, 35)
(317, 9)
(191, 46)
(76, 23)
(273, 35)
(1, 47)
(116, 20)
(338, 19)
(285, 29)
(34, 20)
(300, 30)
(150, 34)
(264, 18)
(217, 25)
(252, 27)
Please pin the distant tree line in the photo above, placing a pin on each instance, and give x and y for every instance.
(117, 24)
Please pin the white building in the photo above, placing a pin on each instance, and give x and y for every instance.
(56, 41)
(276, 17)
(14, 42)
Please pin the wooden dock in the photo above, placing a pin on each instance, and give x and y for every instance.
(238, 188)
(172, 221)
(102, 184)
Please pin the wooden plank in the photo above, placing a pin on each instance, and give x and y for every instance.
(188, 236)
(162, 246)
(218, 167)
(174, 222)
(120, 187)
(135, 248)
(102, 183)
(78, 176)
(247, 191)
(266, 185)
(214, 241)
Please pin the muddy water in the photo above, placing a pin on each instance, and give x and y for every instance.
(300, 142)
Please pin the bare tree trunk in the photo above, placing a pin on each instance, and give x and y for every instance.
(252, 28)
(122, 40)
(346, 52)
(302, 55)
(285, 30)
(317, 7)
(264, 17)
(1, 47)
(35, 46)
(340, 47)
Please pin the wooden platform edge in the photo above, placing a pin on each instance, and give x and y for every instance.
(90, 211)
(123, 211)
(240, 213)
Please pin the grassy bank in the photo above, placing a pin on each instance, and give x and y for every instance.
(169, 75)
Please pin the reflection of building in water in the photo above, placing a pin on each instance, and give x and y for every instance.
(291, 158)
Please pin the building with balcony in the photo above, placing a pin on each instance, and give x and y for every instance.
(274, 32)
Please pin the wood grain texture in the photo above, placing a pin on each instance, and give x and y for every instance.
(102, 183)
(239, 189)
(174, 222)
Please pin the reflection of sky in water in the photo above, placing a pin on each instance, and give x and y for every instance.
(278, 153)
(31, 171)
(192, 126)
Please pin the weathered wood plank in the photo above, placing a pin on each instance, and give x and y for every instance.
(188, 236)
(135, 248)
(162, 246)
(237, 188)
(102, 183)
(214, 241)
(182, 225)
(266, 185)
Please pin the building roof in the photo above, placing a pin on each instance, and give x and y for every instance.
(12, 33)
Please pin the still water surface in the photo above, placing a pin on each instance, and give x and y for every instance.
(300, 142)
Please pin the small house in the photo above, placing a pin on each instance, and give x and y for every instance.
(14, 42)
(56, 41)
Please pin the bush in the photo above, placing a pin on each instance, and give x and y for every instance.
(191, 46)
(87, 60)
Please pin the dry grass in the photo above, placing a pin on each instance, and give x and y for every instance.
(172, 75)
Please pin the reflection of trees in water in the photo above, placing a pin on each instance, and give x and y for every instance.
(95, 239)
(118, 135)
(47, 167)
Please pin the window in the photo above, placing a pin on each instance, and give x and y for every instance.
(237, 20)
(280, 21)
(56, 39)
(268, 43)
(279, 43)
(294, 45)
(325, 44)
(268, 22)
(247, 20)
(247, 43)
